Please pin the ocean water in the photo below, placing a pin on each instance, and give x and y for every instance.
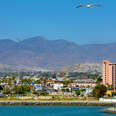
(52, 111)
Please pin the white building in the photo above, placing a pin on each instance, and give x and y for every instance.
(57, 86)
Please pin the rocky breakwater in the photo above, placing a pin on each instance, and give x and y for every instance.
(68, 103)
(111, 110)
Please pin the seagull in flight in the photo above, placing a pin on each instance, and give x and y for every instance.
(88, 5)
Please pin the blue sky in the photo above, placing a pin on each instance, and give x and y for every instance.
(58, 19)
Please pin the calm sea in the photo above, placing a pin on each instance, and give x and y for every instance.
(52, 111)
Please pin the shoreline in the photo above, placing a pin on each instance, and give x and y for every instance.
(110, 110)
(55, 103)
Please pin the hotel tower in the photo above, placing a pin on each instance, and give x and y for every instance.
(109, 73)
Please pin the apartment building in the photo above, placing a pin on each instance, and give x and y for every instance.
(109, 73)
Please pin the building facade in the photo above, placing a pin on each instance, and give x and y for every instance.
(109, 73)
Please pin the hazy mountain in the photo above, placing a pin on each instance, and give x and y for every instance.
(86, 67)
(40, 52)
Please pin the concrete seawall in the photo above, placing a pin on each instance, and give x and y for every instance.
(60, 103)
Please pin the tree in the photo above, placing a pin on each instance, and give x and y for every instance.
(66, 82)
(14, 76)
(99, 79)
(99, 91)
(37, 82)
(22, 89)
(54, 76)
(78, 92)
(7, 91)
(1, 88)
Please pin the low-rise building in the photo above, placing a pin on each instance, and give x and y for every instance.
(83, 83)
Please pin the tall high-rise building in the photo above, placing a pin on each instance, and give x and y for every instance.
(109, 73)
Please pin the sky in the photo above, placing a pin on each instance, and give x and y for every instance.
(58, 19)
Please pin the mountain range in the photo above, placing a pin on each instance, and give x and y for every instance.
(92, 68)
(38, 52)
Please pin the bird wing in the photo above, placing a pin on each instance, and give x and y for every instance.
(98, 5)
(80, 6)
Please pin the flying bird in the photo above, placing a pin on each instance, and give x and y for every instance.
(88, 5)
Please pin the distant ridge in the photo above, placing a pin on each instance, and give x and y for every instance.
(53, 54)
(86, 67)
